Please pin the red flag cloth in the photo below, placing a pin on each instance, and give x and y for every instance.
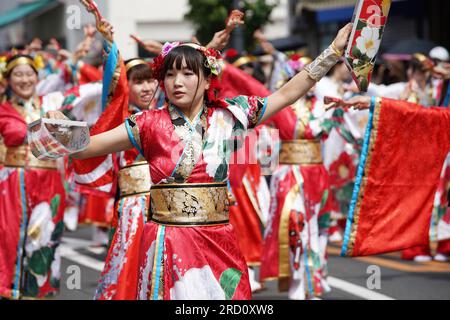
(99, 173)
(403, 153)
(244, 214)
(235, 82)
(89, 73)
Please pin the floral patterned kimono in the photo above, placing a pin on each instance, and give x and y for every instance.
(119, 277)
(188, 250)
(341, 151)
(440, 218)
(32, 205)
(295, 239)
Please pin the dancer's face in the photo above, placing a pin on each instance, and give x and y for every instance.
(184, 87)
(142, 92)
(23, 80)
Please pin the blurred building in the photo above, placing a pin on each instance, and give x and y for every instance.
(409, 20)
(22, 20)
(295, 22)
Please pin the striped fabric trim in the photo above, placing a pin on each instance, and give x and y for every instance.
(97, 173)
(20, 245)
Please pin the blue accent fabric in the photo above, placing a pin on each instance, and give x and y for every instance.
(25, 9)
(23, 224)
(334, 15)
(108, 72)
(143, 207)
(131, 137)
(359, 176)
(160, 250)
(263, 110)
(120, 209)
(447, 97)
(192, 126)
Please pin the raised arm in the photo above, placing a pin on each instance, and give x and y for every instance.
(114, 140)
(299, 85)
(111, 141)
(221, 38)
(264, 43)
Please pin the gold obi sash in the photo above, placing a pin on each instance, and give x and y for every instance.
(189, 204)
(301, 152)
(2, 153)
(134, 179)
(21, 156)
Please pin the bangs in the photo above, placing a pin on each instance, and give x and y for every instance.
(140, 72)
(195, 61)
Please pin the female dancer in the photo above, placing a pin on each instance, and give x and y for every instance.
(30, 216)
(188, 249)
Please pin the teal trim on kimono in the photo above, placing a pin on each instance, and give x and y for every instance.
(359, 176)
(159, 253)
(263, 110)
(447, 98)
(23, 225)
(143, 207)
(120, 209)
(109, 69)
(131, 137)
(192, 126)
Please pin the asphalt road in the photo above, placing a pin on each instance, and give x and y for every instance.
(349, 278)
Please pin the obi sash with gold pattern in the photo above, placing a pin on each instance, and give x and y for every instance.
(134, 179)
(2, 152)
(21, 156)
(301, 152)
(189, 204)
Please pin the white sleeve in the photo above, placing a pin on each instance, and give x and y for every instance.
(391, 91)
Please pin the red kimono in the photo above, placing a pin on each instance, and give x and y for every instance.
(295, 238)
(32, 205)
(397, 178)
(191, 262)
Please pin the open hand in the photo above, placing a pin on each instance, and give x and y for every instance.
(106, 29)
(359, 102)
(54, 114)
(235, 19)
(342, 37)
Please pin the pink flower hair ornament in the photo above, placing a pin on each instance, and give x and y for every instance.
(213, 62)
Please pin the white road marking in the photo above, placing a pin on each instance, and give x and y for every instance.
(356, 290)
(70, 254)
(76, 243)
